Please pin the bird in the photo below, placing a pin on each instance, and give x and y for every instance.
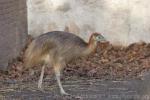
(56, 49)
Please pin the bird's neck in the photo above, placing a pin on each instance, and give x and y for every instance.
(91, 47)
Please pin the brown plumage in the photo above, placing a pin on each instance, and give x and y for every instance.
(56, 49)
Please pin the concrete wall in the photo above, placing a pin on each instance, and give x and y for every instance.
(13, 30)
(120, 21)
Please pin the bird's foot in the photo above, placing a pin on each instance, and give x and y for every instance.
(70, 97)
(64, 93)
(40, 88)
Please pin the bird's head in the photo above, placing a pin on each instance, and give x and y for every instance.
(93, 42)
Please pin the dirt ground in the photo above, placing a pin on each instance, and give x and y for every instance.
(108, 66)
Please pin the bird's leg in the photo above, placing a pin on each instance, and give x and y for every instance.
(57, 73)
(41, 78)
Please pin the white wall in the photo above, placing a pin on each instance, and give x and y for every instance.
(120, 21)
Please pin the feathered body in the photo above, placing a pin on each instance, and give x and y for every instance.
(52, 46)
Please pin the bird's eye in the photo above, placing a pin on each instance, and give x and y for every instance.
(98, 38)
